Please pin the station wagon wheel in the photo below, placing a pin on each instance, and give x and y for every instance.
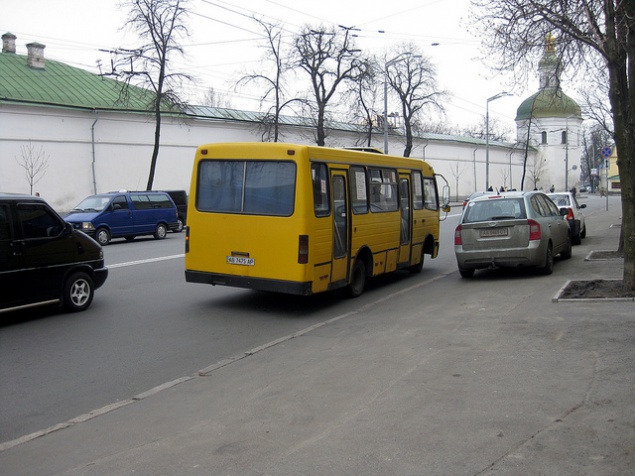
(548, 266)
(583, 232)
(78, 292)
(567, 252)
(358, 279)
(466, 272)
(102, 236)
(160, 232)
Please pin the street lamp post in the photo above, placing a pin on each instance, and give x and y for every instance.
(493, 98)
(395, 60)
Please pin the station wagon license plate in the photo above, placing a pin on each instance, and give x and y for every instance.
(240, 260)
(494, 232)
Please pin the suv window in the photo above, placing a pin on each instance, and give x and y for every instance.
(37, 221)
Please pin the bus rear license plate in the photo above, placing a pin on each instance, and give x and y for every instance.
(240, 260)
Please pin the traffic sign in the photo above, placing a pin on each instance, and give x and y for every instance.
(606, 151)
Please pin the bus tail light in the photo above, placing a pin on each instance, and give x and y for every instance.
(458, 241)
(187, 239)
(303, 249)
(534, 230)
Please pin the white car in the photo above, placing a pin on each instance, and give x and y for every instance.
(574, 215)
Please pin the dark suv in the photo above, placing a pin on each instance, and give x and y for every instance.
(43, 260)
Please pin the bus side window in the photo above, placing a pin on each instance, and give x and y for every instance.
(321, 201)
(417, 190)
(359, 190)
(430, 197)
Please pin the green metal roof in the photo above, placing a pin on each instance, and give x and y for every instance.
(61, 85)
(548, 102)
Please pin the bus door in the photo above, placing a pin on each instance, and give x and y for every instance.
(340, 227)
(405, 233)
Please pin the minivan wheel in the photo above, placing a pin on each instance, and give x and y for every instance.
(102, 236)
(78, 292)
(160, 232)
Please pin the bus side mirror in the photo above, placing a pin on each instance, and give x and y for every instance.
(445, 198)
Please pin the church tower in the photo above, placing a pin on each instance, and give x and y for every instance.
(551, 121)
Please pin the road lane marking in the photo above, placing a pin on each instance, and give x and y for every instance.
(144, 261)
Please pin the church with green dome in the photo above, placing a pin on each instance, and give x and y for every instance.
(551, 122)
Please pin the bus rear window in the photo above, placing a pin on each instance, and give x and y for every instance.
(250, 187)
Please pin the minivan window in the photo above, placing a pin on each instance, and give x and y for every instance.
(37, 221)
(120, 202)
(94, 203)
(144, 201)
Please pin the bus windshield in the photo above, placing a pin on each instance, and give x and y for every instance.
(249, 187)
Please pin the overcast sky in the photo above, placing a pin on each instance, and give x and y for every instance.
(224, 42)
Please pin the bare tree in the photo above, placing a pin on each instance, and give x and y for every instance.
(535, 167)
(328, 56)
(456, 170)
(34, 161)
(212, 98)
(274, 83)
(594, 140)
(162, 24)
(591, 36)
(413, 79)
(498, 132)
(365, 95)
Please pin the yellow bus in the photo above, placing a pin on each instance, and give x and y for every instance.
(301, 219)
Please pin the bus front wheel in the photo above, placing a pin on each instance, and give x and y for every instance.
(358, 279)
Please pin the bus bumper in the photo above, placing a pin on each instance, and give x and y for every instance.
(260, 284)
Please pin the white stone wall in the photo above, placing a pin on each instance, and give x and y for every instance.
(123, 149)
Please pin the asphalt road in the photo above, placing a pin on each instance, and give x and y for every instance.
(147, 326)
(427, 371)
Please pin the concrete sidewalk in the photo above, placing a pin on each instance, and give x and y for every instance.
(502, 382)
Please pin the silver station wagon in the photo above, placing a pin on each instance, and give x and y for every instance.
(512, 230)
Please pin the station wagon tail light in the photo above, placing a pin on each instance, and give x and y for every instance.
(303, 249)
(569, 215)
(534, 230)
(458, 241)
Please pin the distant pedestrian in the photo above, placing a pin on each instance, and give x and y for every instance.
(552, 189)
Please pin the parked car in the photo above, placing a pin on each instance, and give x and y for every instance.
(125, 214)
(43, 260)
(512, 229)
(179, 197)
(574, 215)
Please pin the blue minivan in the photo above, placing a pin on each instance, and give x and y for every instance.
(125, 214)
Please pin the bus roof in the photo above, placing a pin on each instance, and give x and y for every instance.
(271, 150)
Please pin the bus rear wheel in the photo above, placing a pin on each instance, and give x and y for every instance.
(358, 279)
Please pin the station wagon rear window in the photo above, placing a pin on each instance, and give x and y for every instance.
(242, 186)
(500, 209)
